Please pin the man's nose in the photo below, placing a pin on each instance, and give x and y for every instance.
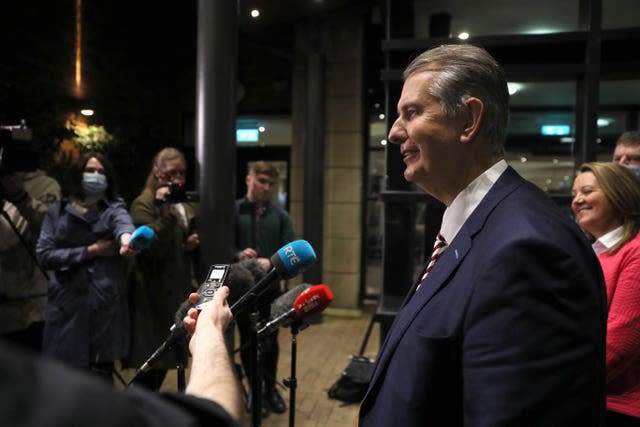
(397, 134)
(624, 160)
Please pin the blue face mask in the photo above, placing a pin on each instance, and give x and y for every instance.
(634, 169)
(94, 183)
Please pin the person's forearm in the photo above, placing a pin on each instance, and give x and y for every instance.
(213, 377)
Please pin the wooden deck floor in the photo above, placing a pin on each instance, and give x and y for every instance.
(323, 351)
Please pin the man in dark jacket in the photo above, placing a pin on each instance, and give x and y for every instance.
(506, 325)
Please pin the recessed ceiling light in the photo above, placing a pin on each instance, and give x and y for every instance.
(383, 142)
(87, 112)
(261, 129)
(463, 36)
(255, 13)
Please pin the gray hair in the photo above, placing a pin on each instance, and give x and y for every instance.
(468, 71)
(631, 137)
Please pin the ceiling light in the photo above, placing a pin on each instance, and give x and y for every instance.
(255, 13)
(86, 112)
(463, 36)
(261, 129)
(383, 142)
(604, 122)
(381, 116)
(514, 87)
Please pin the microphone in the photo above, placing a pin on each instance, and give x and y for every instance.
(289, 261)
(141, 238)
(311, 301)
(216, 277)
(283, 303)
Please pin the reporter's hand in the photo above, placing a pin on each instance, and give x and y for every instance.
(212, 375)
(265, 263)
(247, 253)
(214, 317)
(189, 321)
(102, 247)
(161, 194)
(192, 243)
(125, 248)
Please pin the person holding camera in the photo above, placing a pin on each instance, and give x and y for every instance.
(163, 275)
(26, 193)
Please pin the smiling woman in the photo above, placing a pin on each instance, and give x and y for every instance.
(606, 201)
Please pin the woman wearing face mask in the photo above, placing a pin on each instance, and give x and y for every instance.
(83, 240)
(606, 203)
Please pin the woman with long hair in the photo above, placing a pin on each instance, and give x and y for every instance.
(606, 203)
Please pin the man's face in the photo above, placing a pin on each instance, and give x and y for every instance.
(627, 154)
(259, 187)
(427, 138)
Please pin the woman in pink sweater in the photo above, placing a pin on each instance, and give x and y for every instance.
(606, 203)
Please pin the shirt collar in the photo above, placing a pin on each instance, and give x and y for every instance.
(468, 200)
(607, 241)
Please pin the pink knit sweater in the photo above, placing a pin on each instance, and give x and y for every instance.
(622, 278)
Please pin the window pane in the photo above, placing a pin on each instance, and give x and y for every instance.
(618, 113)
(494, 17)
(541, 134)
(620, 14)
(374, 225)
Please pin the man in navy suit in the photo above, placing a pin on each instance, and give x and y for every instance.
(508, 327)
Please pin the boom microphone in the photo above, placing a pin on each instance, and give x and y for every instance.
(289, 261)
(141, 238)
(311, 301)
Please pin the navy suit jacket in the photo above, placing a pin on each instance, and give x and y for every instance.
(508, 329)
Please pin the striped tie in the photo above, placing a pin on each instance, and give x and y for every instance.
(438, 247)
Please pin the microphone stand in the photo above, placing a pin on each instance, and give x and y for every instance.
(292, 382)
(254, 370)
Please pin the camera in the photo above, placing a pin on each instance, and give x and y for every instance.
(17, 152)
(177, 194)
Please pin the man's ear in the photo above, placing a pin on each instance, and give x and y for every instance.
(473, 120)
